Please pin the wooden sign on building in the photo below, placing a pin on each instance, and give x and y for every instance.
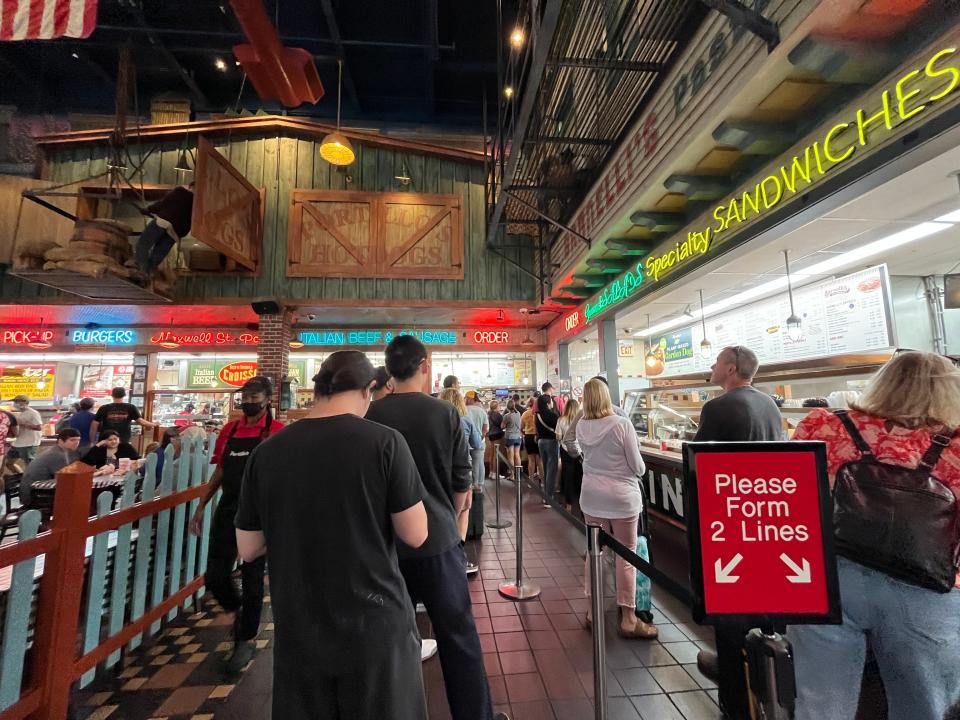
(362, 234)
(227, 209)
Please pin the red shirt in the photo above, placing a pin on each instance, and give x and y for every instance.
(898, 445)
(243, 431)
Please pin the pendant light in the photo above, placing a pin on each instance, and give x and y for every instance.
(489, 374)
(526, 326)
(40, 343)
(525, 380)
(169, 343)
(650, 360)
(706, 347)
(42, 382)
(794, 323)
(335, 148)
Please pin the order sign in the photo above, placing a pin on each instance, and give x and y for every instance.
(761, 531)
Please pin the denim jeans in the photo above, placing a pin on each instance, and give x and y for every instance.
(914, 633)
(476, 460)
(152, 247)
(550, 454)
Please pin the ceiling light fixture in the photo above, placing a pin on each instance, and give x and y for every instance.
(220, 64)
(296, 344)
(169, 342)
(794, 323)
(826, 267)
(40, 343)
(706, 347)
(404, 177)
(650, 359)
(526, 326)
(489, 374)
(335, 148)
(517, 38)
(508, 91)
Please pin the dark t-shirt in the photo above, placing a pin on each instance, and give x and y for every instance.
(547, 418)
(433, 431)
(742, 414)
(322, 492)
(117, 416)
(496, 425)
(80, 421)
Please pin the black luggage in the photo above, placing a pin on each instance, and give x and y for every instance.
(475, 526)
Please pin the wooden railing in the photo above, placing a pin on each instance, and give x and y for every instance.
(83, 621)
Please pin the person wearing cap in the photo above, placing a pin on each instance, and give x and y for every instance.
(117, 415)
(30, 424)
(81, 421)
(234, 446)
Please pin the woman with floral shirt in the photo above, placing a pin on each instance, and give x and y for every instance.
(913, 632)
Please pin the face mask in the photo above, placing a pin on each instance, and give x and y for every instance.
(250, 409)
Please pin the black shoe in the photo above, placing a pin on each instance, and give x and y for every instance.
(501, 716)
(241, 656)
(709, 664)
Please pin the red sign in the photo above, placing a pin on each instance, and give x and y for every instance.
(26, 337)
(205, 337)
(760, 522)
(491, 337)
(236, 374)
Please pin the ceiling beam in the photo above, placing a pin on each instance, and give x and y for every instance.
(334, 29)
(567, 140)
(600, 64)
(741, 15)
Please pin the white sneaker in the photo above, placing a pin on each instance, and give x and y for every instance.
(472, 568)
(421, 608)
(428, 648)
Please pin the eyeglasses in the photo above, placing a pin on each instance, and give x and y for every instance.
(955, 359)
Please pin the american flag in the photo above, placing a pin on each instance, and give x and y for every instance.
(46, 19)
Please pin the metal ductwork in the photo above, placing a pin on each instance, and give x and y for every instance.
(276, 72)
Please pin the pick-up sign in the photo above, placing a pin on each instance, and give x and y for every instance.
(761, 531)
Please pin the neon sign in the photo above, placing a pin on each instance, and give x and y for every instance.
(205, 337)
(616, 292)
(104, 337)
(572, 321)
(375, 337)
(491, 337)
(26, 337)
(801, 170)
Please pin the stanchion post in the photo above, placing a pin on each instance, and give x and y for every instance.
(498, 524)
(519, 590)
(596, 610)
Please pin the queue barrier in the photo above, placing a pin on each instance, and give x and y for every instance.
(105, 585)
(518, 589)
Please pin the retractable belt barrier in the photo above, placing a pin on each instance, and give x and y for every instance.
(498, 524)
(519, 589)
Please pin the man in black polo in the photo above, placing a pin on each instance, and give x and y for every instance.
(742, 413)
(435, 573)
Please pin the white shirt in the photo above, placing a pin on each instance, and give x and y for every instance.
(27, 438)
(612, 466)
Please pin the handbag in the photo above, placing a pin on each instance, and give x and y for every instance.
(901, 521)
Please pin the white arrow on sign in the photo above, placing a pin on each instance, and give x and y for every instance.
(722, 572)
(802, 574)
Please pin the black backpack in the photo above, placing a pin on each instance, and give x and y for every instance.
(901, 521)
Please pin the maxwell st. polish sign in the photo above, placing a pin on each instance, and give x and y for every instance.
(760, 521)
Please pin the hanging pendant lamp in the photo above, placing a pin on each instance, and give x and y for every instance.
(335, 148)
(650, 360)
(170, 343)
(706, 347)
(41, 343)
(794, 323)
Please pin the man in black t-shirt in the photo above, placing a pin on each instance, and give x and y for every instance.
(435, 573)
(117, 415)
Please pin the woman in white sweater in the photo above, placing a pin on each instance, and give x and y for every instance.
(611, 496)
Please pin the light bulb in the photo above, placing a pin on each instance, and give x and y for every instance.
(794, 328)
(651, 359)
(516, 38)
(706, 348)
(508, 92)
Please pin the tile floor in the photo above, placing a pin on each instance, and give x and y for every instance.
(537, 654)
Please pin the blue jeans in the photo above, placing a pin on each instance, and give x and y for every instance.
(152, 247)
(550, 454)
(914, 633)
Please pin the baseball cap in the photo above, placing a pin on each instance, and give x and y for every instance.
(21, 398)
(472, 394)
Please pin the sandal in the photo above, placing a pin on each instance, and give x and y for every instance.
(642, 631)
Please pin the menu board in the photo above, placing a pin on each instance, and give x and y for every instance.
(97, 381)
(34, 381)
(210, 375)
(843, 315)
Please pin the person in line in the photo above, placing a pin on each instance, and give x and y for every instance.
(912, 403)
(170, 219)
(451, 381)
(109, 451)
(234, 445)
(741, 413)
(528, 426)
(118, 416)
(495, 437)
(81, 421)
(480, 421)
(475, 441)
(616, 406)
(347, 642)
(435, 573)
(512, 433)
(571, 461)
(171, 436)
(381, 384)
(547, 418)
(49, 463)
(611, 496)
(30, 426)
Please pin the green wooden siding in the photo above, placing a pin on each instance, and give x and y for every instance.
(281, 164)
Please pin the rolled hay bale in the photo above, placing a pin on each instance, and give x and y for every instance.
(111, 234)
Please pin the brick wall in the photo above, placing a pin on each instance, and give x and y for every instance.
(273, 353)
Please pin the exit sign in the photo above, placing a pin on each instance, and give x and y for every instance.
(760, 522)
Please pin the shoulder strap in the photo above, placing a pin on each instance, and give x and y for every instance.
(854, 433)
(938, 443)
(266, 427)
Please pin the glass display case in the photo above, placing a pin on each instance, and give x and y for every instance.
(182, 408)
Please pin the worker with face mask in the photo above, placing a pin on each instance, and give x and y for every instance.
(236, 442)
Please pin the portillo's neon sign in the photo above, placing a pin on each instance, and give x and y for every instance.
(910, 96)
